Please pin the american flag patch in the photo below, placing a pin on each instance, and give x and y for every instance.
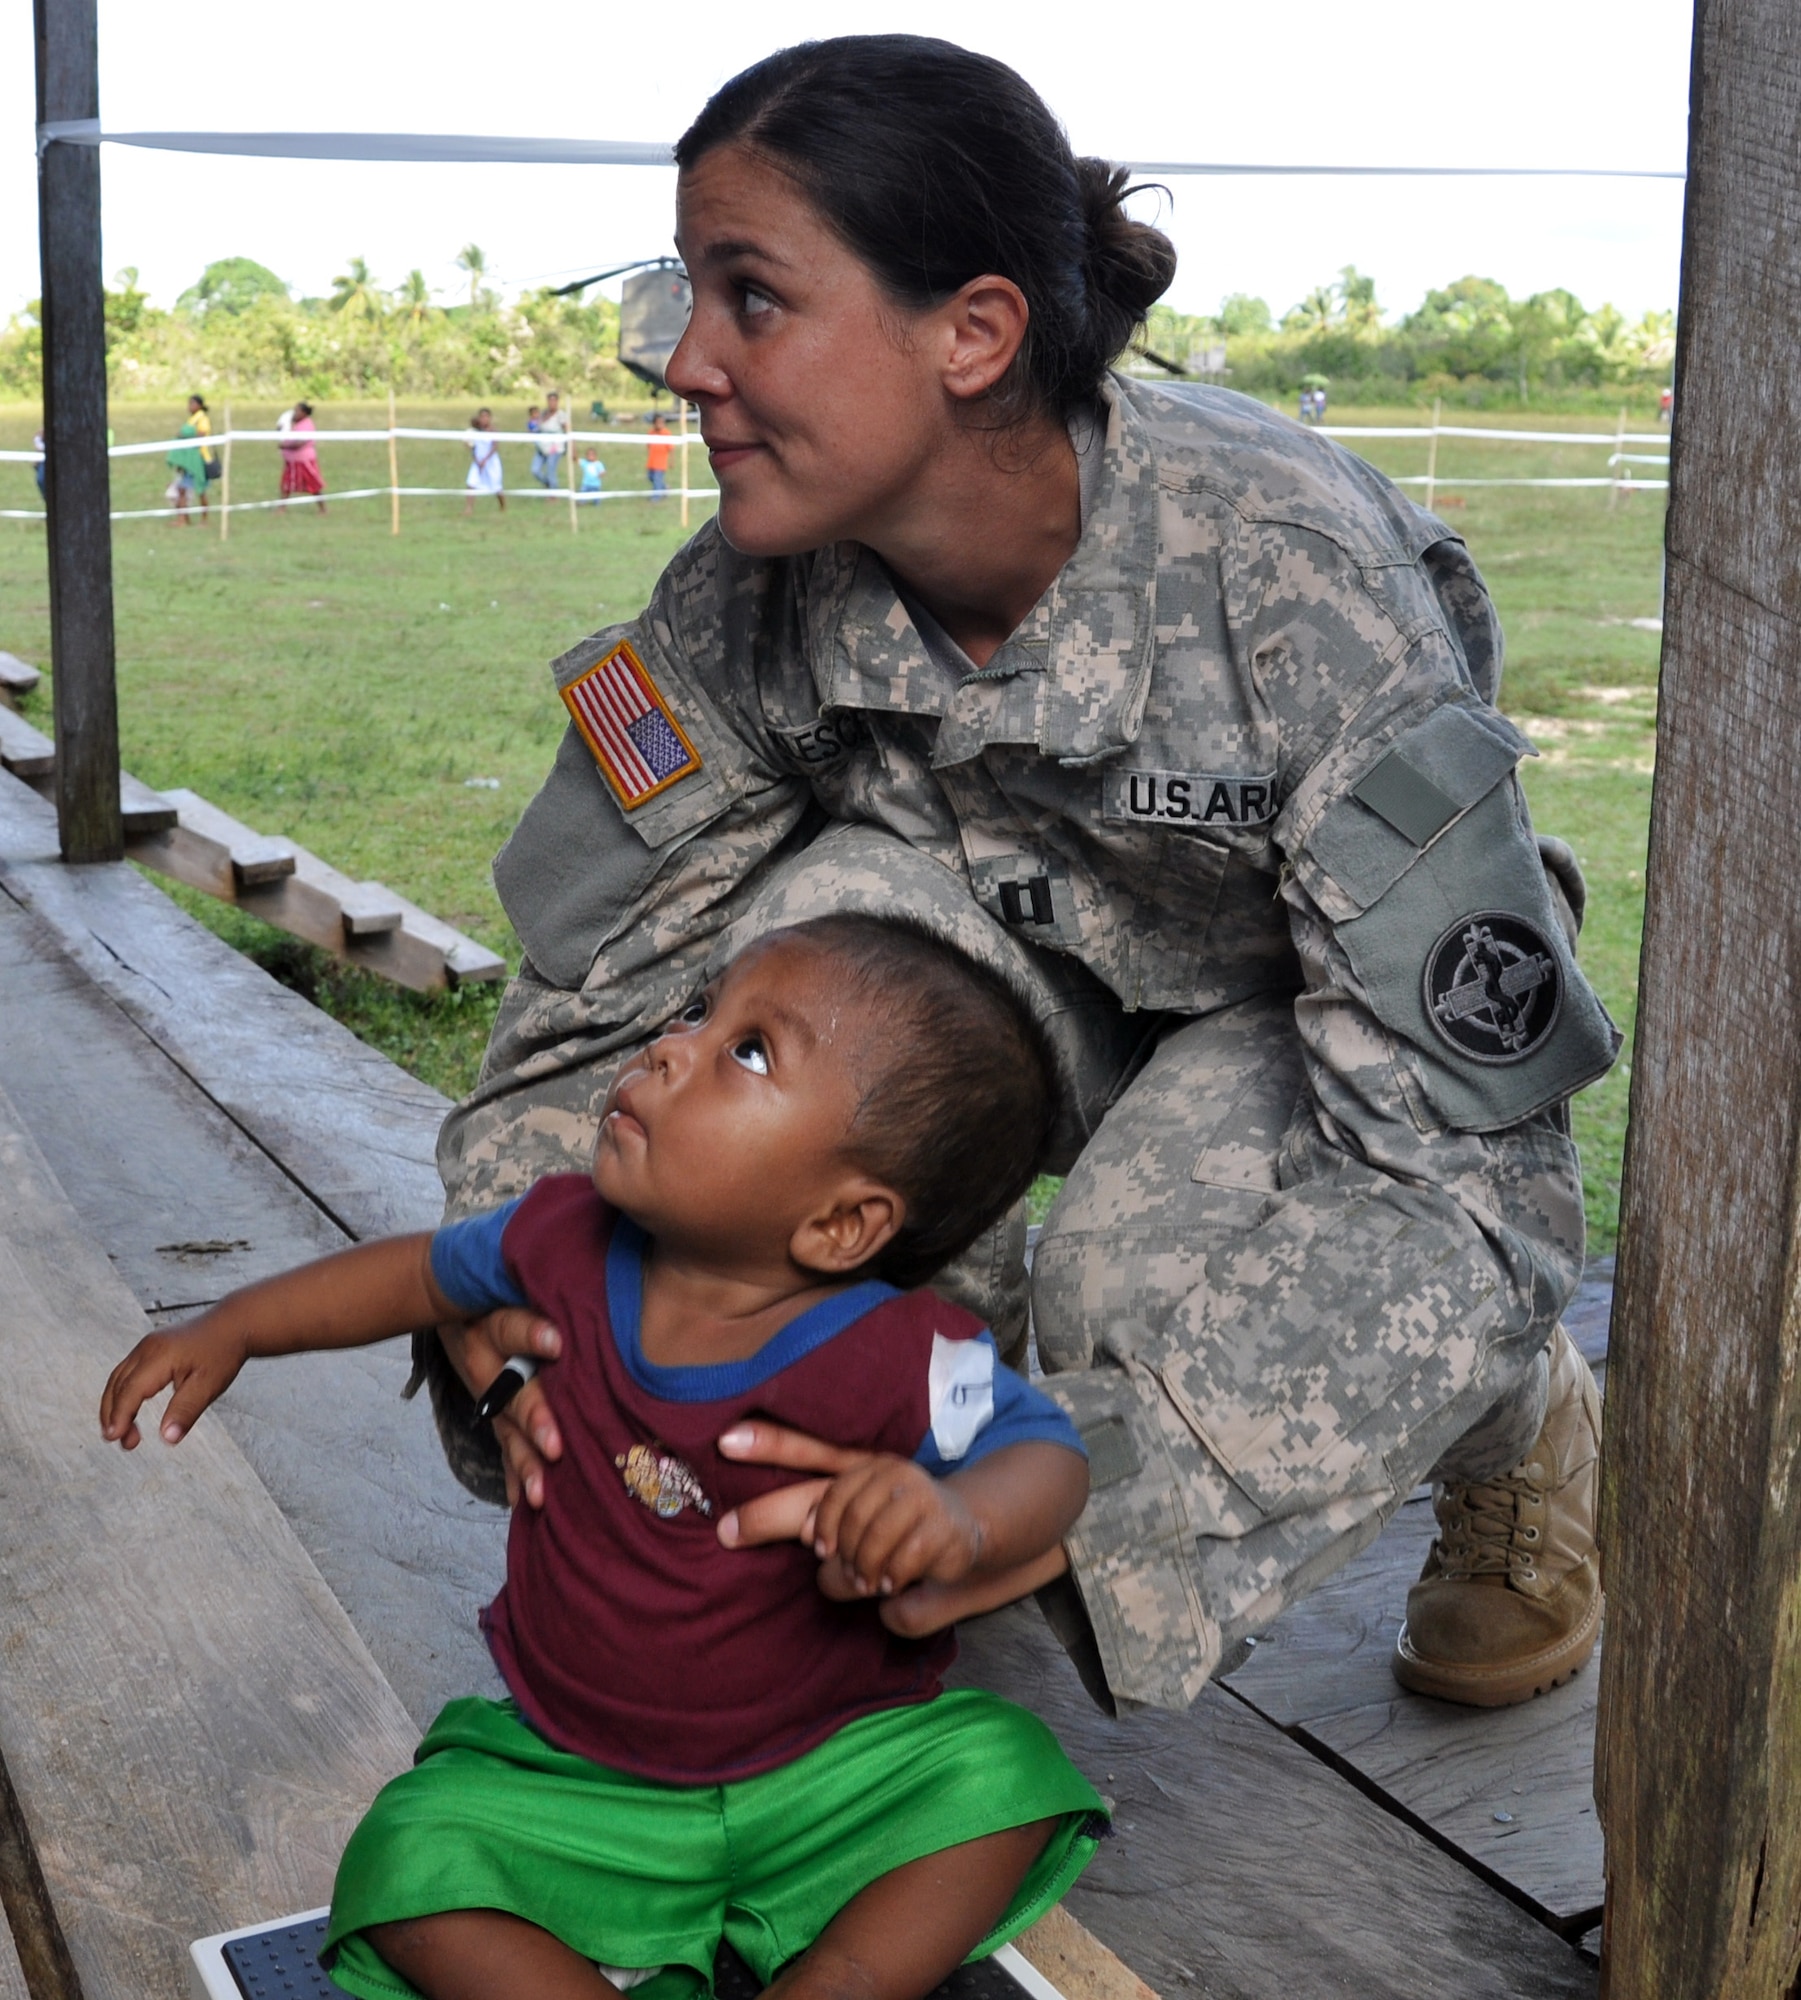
(636, 741)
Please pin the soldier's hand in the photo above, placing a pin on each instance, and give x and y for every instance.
(525, 1430)
(200, 1362)
(787, 1514)
(877, 1522)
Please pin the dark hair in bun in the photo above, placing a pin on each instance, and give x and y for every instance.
(937, 165)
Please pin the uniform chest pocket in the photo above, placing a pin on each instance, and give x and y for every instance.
(1174, 917)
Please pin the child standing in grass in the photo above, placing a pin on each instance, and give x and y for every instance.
(484, 462)
(708, 1741)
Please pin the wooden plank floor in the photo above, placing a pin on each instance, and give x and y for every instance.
(12, 1974)
(191, 1725)
(1244, 1868)
(1247, 1863)
(1512, 1790)
(188, 1204)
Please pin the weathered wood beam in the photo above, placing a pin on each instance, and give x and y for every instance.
(1699, 1757)
(77, 479)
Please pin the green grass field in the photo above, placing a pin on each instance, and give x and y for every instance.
(322, 679)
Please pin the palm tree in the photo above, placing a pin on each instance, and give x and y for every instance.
(354, 292)
(473, 259)
(1314, 313)
(414, 299)
(1356, 297)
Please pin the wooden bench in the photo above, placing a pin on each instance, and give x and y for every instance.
(189, 1722)
(16, 679)
(181, 835)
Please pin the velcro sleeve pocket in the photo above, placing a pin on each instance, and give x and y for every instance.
(1370, 837)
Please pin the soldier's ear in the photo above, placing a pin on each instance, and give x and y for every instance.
(977, 334)
(856, 1223)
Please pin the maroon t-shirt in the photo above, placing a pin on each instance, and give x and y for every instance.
(625, 1630)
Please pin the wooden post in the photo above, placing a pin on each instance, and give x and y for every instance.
(569, 460)
(1699, 1752)
(1620, 473)
(1432, 454)
(225, 480)
(393, 469)
(684, 408)
(77, 478)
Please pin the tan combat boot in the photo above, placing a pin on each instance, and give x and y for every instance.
(1509, 1603)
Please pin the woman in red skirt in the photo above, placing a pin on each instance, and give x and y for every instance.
(300, 476)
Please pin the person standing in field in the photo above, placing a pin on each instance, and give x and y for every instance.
(548, 457)
(210, 468)
(484, 462)
(300, 475)
(188, 462)
(656, 456)
(593, 472)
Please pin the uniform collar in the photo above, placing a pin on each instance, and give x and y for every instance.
(1072, 679)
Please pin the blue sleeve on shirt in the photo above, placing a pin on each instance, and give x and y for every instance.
(467, 1265)
(978, 1406)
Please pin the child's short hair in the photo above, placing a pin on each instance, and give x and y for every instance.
(958, 1098)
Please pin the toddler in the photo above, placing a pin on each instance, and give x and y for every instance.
(707, 1741)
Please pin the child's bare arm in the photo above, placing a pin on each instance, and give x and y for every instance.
(350, 1300)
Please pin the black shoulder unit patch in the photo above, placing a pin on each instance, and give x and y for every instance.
(1493, 987)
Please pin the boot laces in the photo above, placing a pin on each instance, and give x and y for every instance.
(1479, 1526)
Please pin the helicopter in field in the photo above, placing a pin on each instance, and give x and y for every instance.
(654, 305)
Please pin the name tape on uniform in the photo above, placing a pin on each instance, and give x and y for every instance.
(1193, 799)
(814, 745)
(640, 747)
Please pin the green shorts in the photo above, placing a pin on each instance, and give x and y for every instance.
(633, 1873)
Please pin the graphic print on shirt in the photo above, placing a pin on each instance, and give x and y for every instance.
(661, 1481)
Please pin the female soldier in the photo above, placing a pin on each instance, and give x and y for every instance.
(1183, 719)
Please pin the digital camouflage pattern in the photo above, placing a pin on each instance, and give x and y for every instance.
(1210, 809)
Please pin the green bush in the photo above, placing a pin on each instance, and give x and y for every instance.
(238, 330)
(1469, 344)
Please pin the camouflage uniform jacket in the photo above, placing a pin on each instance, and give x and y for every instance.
(1245, 744)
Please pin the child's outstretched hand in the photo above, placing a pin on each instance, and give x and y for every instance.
(199, 1361)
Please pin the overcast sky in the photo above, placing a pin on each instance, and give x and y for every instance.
(1574, 83)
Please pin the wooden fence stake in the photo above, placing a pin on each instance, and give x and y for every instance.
(1620, 474)
(569, 456)
(225, 480)
(1432, 454)
(393, 468)
(77, 476)
(1698, 1767)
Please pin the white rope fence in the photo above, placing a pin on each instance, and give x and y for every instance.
(1617, 482)
(1615, 478)
(559, 448)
